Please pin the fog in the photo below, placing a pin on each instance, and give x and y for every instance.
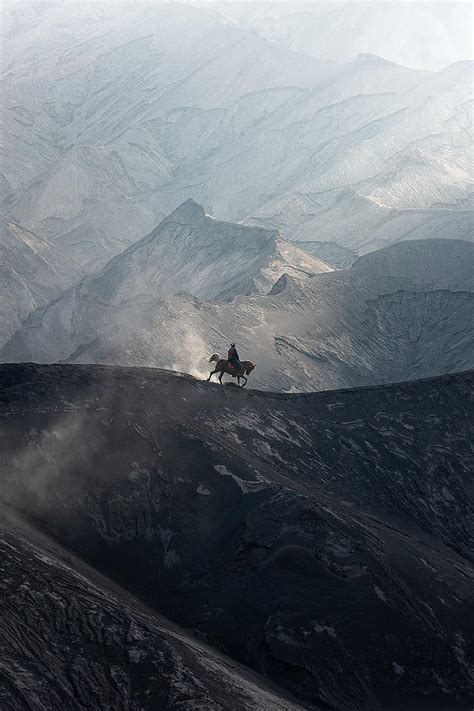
(425, 35)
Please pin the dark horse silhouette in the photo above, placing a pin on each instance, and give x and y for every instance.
(223, 366)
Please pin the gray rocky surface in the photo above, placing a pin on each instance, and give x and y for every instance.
(70, 639)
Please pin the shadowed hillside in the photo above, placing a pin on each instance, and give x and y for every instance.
(321, 539)
(97, 647)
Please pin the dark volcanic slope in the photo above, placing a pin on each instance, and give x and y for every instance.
(70, 640)
(322, 539)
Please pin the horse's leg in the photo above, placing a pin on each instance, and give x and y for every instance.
(246, 381)
(220, 377)
(211, 374)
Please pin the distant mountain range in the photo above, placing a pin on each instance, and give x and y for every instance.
(110, 123)
(196, 283)
(347, 224)
(188, 251)
(114, 120)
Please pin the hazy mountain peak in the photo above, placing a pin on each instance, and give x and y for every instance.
(211, 259)
(188, 211)
(189, 226)
(372, 58)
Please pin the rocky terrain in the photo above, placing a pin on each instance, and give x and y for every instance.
(324, 540)
(111, 120)
(95, 646)
(402, 313)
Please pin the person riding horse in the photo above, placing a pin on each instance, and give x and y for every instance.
(232, 366)
(233, 358)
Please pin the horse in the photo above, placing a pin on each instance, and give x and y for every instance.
(223, 366)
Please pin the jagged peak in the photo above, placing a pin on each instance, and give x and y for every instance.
(375, 59)
(281, 284)
(188, 210)
(370, 56)
(192, 214)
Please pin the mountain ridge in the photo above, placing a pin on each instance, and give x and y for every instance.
(189, 250)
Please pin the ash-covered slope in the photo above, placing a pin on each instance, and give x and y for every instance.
(31, 274)
(188, 251)
(404, 312)
(97, 647)
(88, 206)
(405, 173)
(119, 86)
(322, 539)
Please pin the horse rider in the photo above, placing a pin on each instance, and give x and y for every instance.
(233, 358)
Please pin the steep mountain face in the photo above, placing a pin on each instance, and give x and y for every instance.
(31, 274)
(96, 645)
(189, 251)
(405, 174)
(335, 527)
(401, 313)
(87, 205)
(137, 120)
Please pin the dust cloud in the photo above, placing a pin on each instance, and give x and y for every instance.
(195, 354)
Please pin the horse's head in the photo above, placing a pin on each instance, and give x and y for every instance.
(250, 367)
(215, 358)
